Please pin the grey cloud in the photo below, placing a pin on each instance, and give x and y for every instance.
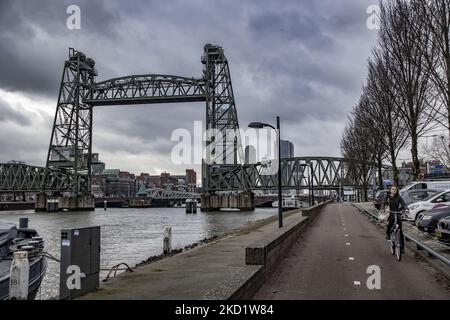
(29, 63)
(8, 113)
(302, 60)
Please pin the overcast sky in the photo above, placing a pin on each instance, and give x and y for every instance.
(302, 60)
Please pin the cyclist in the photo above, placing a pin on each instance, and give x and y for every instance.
(396, 204)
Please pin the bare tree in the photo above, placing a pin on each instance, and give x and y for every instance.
(434, 34)
(381, 109)
(360, 144)
(439, 150)
(410, 79)
(375, 135)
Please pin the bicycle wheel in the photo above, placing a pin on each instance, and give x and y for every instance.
(392, 245)
(398, 249)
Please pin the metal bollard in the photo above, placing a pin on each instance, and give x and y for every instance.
(105, 205)
(20, 273)
(23, 223)
(167, 241)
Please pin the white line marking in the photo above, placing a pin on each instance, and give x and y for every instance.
(347, 244)
(351, 258)
(346, 235)
(357, 283)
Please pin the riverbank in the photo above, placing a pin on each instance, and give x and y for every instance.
(16, 205)
(216, 270)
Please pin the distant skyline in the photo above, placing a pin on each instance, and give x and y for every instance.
(303, 60)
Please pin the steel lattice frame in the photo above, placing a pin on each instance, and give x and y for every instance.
(325, 173)
(221, 112)
(145, 89)
(69, 155)
(25, 178)
(71, 139)
(160, 193)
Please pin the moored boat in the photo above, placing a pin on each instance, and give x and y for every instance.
(21, 239)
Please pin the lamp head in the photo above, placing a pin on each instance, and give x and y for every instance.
(257, 125)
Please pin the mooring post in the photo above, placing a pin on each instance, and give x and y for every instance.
(167, 241)
(19, 276)
(23, 223)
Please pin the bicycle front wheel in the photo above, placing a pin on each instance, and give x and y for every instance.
(392, 246)
(398, 249)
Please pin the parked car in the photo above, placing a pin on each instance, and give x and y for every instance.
(415, 195)
(443, 230)
(428, 221)
(379, 198)
(432, 184)
(435, 201)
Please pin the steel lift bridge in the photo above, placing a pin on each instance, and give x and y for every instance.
(226, 183)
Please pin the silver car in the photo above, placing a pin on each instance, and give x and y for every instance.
(415, 195)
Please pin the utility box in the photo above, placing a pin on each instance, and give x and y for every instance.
(80, 262)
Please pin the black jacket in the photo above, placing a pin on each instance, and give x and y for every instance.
(394, 204)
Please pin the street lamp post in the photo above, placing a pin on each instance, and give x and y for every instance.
(309, 190)
(312, 183)
(260, 125)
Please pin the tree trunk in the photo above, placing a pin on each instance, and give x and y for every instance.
(393, 161)
(415, 155)
(380, 174)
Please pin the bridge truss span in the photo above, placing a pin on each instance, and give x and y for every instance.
(320, 173)
(26, 178)
(145, 89)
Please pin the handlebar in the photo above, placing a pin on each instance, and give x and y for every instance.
(402, 213)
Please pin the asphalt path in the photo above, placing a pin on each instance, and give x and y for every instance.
(339, 255)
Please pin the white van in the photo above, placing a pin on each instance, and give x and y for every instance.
(436, 184)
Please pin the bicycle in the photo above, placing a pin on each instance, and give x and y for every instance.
(395, 237)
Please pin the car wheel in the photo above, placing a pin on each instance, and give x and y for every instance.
(417, 216)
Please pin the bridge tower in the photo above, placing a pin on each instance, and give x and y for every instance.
(224, 143)
(69, 151)
(71, 138)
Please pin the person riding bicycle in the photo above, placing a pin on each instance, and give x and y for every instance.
(396, 204)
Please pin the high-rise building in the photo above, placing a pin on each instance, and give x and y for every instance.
(287, 149)
(250, 154)
(97, 166)
(191, 176)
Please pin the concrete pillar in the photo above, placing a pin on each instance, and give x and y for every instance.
(40, 202)
(167, 241)
(19, 276)
(191, 206)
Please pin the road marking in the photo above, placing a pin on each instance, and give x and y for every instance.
(346, 235)
(351, 258)
(357, 283)
(347, 244)
(345, 229)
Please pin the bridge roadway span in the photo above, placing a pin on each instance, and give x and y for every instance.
(317, 266)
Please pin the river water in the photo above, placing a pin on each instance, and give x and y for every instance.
(129, 235)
